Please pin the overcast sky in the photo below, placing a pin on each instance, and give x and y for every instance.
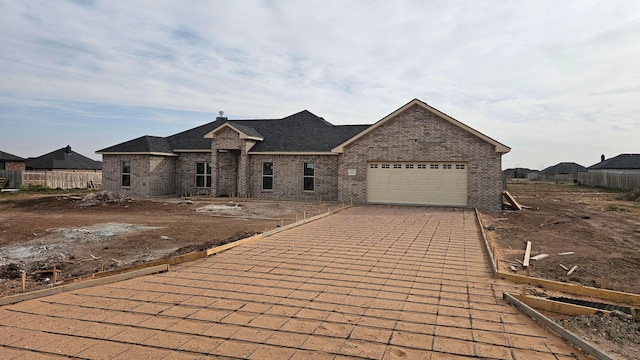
(557, 81)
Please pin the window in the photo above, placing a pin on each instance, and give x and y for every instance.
(459, 166)
(308, 176)
(385, 166)
(446, 166)
(267, 175)
(422, 166)
(125, 172)
(433, 166)
(203, 174)
(373, 166)
(408, 166)
(397, 166)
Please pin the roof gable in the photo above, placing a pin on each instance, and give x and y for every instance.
(245, 132)
(499, 147)
(622, 161)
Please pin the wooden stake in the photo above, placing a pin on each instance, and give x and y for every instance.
(55, 276)
(527, 255)
(633, 312)
(528, 271)
(24, 280)
(602, 283)
(304, 215)
(524, 292)
(566, 324)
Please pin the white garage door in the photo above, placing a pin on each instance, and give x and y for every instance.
(417, 183)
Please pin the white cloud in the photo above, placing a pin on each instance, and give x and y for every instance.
(527, 73)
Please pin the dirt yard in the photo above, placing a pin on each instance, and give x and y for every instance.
(80, 233)
(602, 230)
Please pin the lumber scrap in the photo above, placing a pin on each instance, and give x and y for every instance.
(540, 257)
(564, 267)
(511, 200)
(572, 269)
(527, 255)
(566, 253)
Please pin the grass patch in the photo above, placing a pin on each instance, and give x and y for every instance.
(616, 207)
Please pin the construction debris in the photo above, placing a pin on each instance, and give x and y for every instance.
(572, 270)
(103, 197)
(540, 257)
(515, 205)
(564, 267)
(566, 253)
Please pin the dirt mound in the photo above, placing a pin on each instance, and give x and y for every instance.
(619, 331)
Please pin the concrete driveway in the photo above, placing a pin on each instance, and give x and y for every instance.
(369, 282)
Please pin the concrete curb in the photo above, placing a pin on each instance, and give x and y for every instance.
(564, 333)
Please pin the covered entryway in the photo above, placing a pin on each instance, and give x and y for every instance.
(417, 183)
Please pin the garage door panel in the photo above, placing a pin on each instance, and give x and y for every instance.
(429, 184)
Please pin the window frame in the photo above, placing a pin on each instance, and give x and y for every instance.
(306, 177)
(124, 165)
(205, 175)
(266, 176)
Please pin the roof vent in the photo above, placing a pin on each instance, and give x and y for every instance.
(221, 115)
(68, 149)
(602, 158)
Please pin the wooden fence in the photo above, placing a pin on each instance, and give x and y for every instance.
(619, 181)
(53, 179)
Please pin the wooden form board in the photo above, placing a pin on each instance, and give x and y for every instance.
(611, 295)
(511, 200)
(527, 255)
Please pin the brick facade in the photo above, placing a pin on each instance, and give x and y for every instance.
(288, 177)
(151, 175)
(412, 134)
(14, 165)
(418, 135)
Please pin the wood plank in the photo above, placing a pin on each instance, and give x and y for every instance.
(540, 257)
(80, 285)
(527, 255)
(511, 200)
(557, 306)
(611, 295)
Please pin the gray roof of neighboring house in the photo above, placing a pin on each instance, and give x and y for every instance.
(564, 168)
(300, 132)
(63, 158)
(9, 157)
(622, 161)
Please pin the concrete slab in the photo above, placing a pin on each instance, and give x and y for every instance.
(377, 282)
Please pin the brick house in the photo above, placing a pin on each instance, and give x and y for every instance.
(11, 162)
(415, 155)
(62, 159)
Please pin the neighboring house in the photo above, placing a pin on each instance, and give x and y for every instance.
(564, 171)
(415, 155)
(11, 162)
(621, 172)
(623, 163)
(517, 173)
(62, 159)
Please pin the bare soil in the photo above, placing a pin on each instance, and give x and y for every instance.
(80, 234)
(600, 227)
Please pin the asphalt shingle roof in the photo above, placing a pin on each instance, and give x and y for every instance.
(9, 157)
(564, 168)
(300, 132)
(63, 158)
(622, 161)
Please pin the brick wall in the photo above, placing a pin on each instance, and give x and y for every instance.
(186, 173)
(14, 165)
(418, 135)
(288, 177)
(150, 175)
